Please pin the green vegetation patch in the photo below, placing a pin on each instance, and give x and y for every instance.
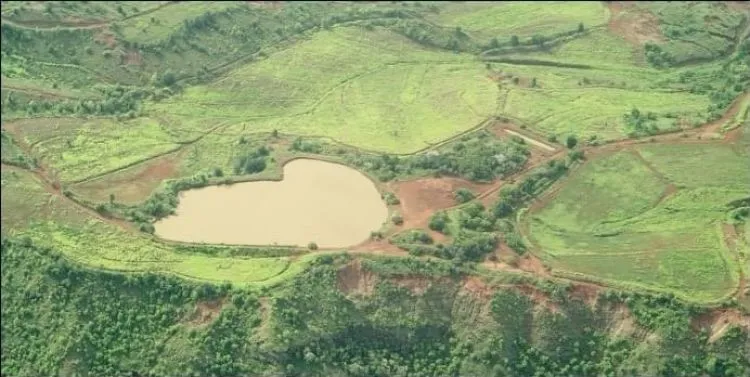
(104, 145)
(700, 165)
(609, 189)
(613, 221)
(522, 18)
(392, 96)
(53, 221)
(155, 27)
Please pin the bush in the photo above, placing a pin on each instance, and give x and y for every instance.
(397, 219)
(438, 221)
(312, 246)
(391, 199)
(463, 195)
(571, 141)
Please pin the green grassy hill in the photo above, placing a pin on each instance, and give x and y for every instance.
(566, 185)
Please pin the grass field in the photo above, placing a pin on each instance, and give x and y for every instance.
(304, 69)
(375, 90)
(73, 12)
(103, 145)
(612, 219)
(155, 27)
(50, 220)
(522, 18)
(596, 111)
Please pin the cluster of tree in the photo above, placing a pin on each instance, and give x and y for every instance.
(640, 124)
(657, 57)
(164, 201)
(252, 162)
(477, 228)
(116, 320)
(152, 325)
(411, 237)
(463, 195)
(13, 155)
(535, 42)
(479, 157)
(114, 100)
(511, 198)
(391, 199)
(306, 146)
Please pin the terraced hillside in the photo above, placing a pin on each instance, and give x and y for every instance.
(566, 188)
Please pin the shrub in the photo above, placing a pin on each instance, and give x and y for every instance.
(391, 199)
(438, 221)
(397, 219)
(571, 141)
(463, 195)
(312, 246)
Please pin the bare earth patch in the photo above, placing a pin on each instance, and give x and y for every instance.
(132, 57)
(476, 287)
(635, 25)
(353, 280)
(417, 285)
(205, 312)
(717, 322)
(420, 198)
(106, 37)
(132, 185)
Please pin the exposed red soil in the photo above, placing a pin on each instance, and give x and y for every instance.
(420, 198)
(381, 247)
(637, 26)
(133, 185)
(499, 130)
(717, 322)
(715, 126)
(106, 37)
(132, 57)
(353, 280)
(417, 285)
(588, 293)
(539, 298)
(477, 287)
(205, 312)
(738, 5)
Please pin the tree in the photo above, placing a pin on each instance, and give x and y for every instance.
(111, 198)
(438, 221)
(397, 219)
(168, 79)
(571, 141)
(533, 82)
(502, 208)
(494, 43)
(463, 195)
(575, 155)
(580, 27)
(312, 246)
(514, 41)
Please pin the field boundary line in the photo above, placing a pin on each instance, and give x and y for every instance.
(180, 145)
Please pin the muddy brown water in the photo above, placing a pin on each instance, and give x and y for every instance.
(322, 202)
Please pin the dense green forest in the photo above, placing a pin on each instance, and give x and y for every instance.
(415, 318)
